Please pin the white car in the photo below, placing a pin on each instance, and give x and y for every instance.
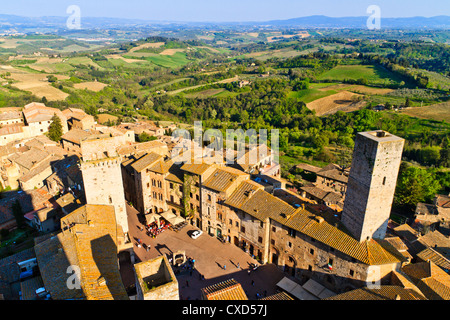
(196, 234)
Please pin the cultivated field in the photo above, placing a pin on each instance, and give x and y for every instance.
(373, 74)
(93, 86)
(438, 112)
(36, 83)
(103, 118)
(342, 101)
(147, 45)
(356, 88)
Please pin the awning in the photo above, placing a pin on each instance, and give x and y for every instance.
(172, 218)
(317, 289)
(295, 290)
(152, 217)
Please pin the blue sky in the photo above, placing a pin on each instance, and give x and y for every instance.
(224, 10)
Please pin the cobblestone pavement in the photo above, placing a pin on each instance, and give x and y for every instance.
(215, 260)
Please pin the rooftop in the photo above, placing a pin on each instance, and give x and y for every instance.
(222, 178)
(90, 242)
(225, 290)
(146, 161)
(382, 293)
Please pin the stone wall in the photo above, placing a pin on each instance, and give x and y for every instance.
(371, 185)
(102, 181)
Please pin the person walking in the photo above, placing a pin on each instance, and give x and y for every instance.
(238, 265)
(253, 283)
(224, 267)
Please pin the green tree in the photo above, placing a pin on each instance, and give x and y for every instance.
(144, 137)
(18, 213)
(415, 185)
(55, 130)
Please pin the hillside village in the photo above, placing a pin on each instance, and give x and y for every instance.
(124, 214)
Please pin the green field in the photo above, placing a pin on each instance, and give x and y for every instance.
(176, 60)
(309, 95)
(373, 74)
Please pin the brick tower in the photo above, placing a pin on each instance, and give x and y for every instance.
(371, 184)
(102, 175)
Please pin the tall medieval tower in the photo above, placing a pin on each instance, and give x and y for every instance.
(371, 184)
(102, 175)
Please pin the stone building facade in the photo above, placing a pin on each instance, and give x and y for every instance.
(102, 175)
(371, 184)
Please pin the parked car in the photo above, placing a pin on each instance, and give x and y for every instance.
(196, 234)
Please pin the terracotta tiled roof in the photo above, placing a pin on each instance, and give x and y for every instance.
(10, 114)
(29, 287)
(278, 296)
(429, 254)
(175, 174)
(222, 178)
(195, 168)
(9, 269)
(146, 161)
(308, 167)
(404, 231)
(225, 290)
(442, 201)
(91, 244)
(431, 280)
(324, 227)
(383, 293)
(30, 158)
(436, 240)
(76, 135)
(11, 129)
(243, 192)
(35, 112)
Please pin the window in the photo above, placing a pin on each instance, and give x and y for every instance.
(171, 199)
(261, 224)
(237, 223)
(148, 185)
(209, 197)
(197, 197)
(274, 229)
(292, 232)
(352, 273)
(384, 181)
(260, 239)
(309, 268)
(330, 262)
(190, 195)
(192, 206)
(311, 251)
(219, 216)
(231, 222)
(272, 242)
(174, 211)
(180, 188)
(243, 229)
(290, 244)
(171, 185)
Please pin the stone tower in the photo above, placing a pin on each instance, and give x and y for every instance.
(102, 175)
(371, 184)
